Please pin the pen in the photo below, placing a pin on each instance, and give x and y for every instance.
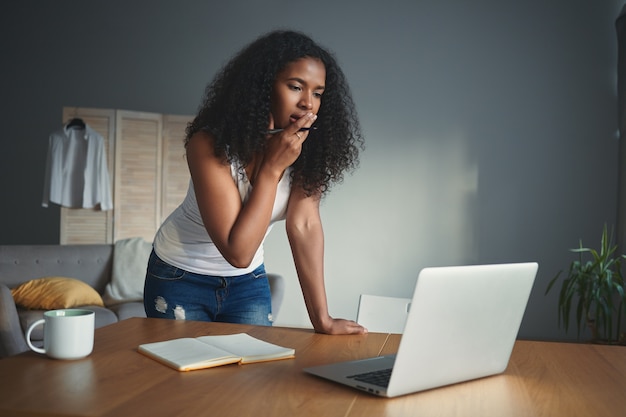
(302, 129)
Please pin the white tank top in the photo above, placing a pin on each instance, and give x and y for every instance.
(182, 240)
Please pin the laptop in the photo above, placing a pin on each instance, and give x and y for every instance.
(462, 325)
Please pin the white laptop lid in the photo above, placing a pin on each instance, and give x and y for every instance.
(462, 325)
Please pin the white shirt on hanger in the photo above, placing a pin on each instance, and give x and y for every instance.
(76, 170)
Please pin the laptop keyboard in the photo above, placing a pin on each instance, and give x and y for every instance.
(379, 378)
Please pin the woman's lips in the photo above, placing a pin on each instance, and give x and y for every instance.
(295, 117)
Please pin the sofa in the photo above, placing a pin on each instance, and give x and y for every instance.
(114, 274)
(91, 264)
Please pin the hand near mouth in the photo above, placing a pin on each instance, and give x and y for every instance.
(284, 147)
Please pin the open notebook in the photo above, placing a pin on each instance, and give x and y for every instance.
(188, 353)
(462, 325)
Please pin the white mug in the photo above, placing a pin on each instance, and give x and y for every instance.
(67, 333)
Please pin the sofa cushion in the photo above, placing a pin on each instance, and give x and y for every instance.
(52, 293)
(91, 263)
(127, 310)
(130, 260)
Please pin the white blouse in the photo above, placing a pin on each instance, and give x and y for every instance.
(76, 173)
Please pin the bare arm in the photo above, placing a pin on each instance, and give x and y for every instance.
(236, 230)
(306, 237)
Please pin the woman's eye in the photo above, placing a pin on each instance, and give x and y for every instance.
(317, 95)
(294, 87)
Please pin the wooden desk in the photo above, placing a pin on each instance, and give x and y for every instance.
(543, 379)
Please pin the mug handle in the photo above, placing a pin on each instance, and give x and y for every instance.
(29, 331)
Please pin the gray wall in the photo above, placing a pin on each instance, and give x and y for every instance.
(490, 124)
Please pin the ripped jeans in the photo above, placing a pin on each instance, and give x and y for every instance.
(173, 293)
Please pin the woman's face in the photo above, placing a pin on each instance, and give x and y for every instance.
(297, 91)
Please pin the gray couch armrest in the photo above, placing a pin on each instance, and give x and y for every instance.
(277, 288)
(12, 339)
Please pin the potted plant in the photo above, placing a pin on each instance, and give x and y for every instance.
(596, 285)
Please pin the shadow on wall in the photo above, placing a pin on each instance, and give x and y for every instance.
(433, 187)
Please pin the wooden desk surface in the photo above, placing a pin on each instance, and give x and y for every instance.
(543, 379)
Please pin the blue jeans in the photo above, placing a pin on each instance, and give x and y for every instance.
(173, 293)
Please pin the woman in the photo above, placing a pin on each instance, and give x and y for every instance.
(253, 162)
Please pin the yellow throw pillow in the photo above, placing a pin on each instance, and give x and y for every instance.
(52, 293)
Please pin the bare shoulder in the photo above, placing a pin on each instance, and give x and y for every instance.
(201, 153)
(200, 144)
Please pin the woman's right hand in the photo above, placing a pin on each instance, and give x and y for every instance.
(283, 148)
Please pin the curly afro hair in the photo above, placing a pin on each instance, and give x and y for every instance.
(236, 110)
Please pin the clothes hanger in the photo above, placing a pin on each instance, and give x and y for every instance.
(76, 122)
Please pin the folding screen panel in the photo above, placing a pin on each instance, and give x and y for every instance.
(175, 171)
(137, 185)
